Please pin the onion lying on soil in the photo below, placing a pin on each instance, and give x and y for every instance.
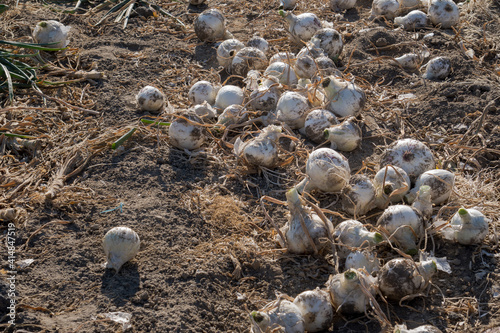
(227, 50)
(441, 183)
(233, 114)
(265, 98)
(297, 239)
(286, 57)
(51, 32)
(437, 68)
(346, 98)
(411, 155)
(345, 136)
(358, 195)
(330, 40)
(362, 260)
(246, 59)
(150, 99)
(305, 67)
(415, 19)
(258, 43)
(121, 244)
(203, 91)
(279, 316)
(210, 26)
(346, 291)
(326, 170)
(467, 227)
(386, 8)
(391, 184)
(292, 109)
(419, 329)
(183, 134)
(228, 95)
(353, 235)
(283, 72)
(316, 122)
(444, 13)
(301, 27)
(326, 67)
(409, 61)
(205, 111)
(316, 309)
(262, 150)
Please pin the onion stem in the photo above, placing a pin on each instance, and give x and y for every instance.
(124, 138)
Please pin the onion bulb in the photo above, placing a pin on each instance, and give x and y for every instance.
(287, 4)
(121, 244)
(386, 8)
(283, 72)
(297, 240)
(403, 277)
(329, 40)
(444, 13)
(411, 155)
(415, 19)
(391, 184)
(346, 291)
(150, 99)
(404, 224)
(292, 109)
(228, 95)
(345, 136)
(227, 50)
(345, 98)
(358, 195)
(437, 68)
(326, 170)
(305, 67)
(338, 5)
(51, 32)
(316, 309)
(467, 227)
(265, 98)
(233, 114)
(423, 201)
(301, 27)
(441, 183)
(262, 150)
(246, 59)
(202, 91)
(327, 67)
(362, 260)
(316, 122)
(183, 134)
(210, 26)
(419, 329)
(286, 57)
(279, 316)
(205, 111)
(352, 234)
(409, 61)
(258, 43)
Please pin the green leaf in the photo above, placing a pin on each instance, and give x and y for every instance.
(9, 82)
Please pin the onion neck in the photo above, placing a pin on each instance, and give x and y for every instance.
(464, 215)
(427, 268)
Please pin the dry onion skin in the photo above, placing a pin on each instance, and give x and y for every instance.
(292, 109)
(327, 67)
(358, 196)
(233, 114)
(305, 67)
(259, 43)
(413, 156)
(415, 19)
(301, 27)
(210, 26)
(351, 234)
(404, 224)
(205, 111)
(330, 40)
(226, 52)
(316, 122)
(297, 240)
(283, 72)
(150, 99)
(345, 136)
(364, 260)
(346, 291)
(391, 184)
(345, 98)
(409, 61)
(203, 91)
(287, 4)
(386, 8)
(262, 150)
(228, 95)
(246, 59)
(441, 183)
(423, 201)
(316, 309)
(326, 170)
(467, 227)
(51, 32)
(419, 329)
(184, 134)
(444, 13)
(121, 244)
(265, 98)
(403, 277)
(279, 316)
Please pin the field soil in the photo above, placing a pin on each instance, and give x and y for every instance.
(208, 254)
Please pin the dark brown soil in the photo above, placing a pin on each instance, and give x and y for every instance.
(208, 256)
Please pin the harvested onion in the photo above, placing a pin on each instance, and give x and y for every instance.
(121, 244)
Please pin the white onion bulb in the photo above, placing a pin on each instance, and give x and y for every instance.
(228, 95)
(415, 19)
(437, 68)
(362, 260)
(185, 135)
(150, 99)
(346, 293)
(391, 184)
(49, 32)
(316, 309)
(259, 43)
(330, 40)
(203, 91)
(346, 98)
(352, 234)
(467, 227)
(339, 5)
(227, 50)
(292, 109)
(386, 8)
(246, 59)
(316, 122)
(279, 316)
(210, 26)
(444, 13)
(262, 150)
(345, 136)
(358, 195)
(409, 61)
(441, 183)
(283, 72)
(302, 27)
(121, 244)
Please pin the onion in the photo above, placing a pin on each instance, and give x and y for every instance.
(210, 26)
(326, 170)
(292, 109)
(423, 201)
(444, 13)
(287, 4)
(262, 150)
(302, 27)
(403, 277)
(279, 316)
(205, 111)
(415, 19)
(441, 183)
(121, 244)
(411, 155)
(312, 50)
(316, 122)
(358, 195)
(391, 184)
(467, 227)
(316, 309)
(346, 291)
(185, 135)
(338, 5)
(362, 260)
(265, 98)
(437, 68)
(227, 50)
(351, 234)
(386, 8)
(330, 41)
(409, 61)
(233, 114)
(345, 136)
(258, 43)
(297, 240)
(202, 91)
(51, 32)
(286, 57)
(404, 224)
(305, 67)
(419, 329)
(150, 99)
(346, 98)
(246, 59)
(327, 67)
(283, 72)
(228, 95)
